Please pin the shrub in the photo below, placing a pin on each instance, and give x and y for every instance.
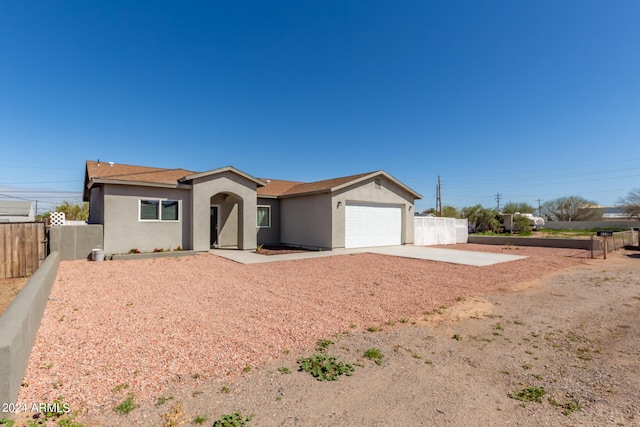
(324, 367)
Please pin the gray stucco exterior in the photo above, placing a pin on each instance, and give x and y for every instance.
(218, 208)
(270, 235)
(237, 195)
(384, 193)
(123, 229)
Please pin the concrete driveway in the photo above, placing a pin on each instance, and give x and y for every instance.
(478, 259)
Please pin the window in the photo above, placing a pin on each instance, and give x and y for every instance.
(149, 210)
(264, 216)
(159, 210)
(169, 210)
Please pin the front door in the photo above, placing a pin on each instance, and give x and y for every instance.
(214, 227)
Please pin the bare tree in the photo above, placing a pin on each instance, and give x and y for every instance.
(522, 207)
(631, 204)
(571, 208)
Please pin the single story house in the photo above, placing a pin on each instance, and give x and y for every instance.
(146, 208)
(16, 211)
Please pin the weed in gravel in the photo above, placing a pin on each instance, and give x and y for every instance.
(284, 370)
(403, 320)
(196, 393)
(457, 337)
(505, 372)
(372, 328)
(374, 354)
(323, 345)
(225, 389)
(234, 420)
(529, 394)
(195, 375)
(416, 356)
(120, 387)
(200, 419)
(127, 405)
(459, 299)
(7, 422)
(584, 354)
(526, 366)
(246, 369)
(163, 399)
(324, 367)
(174, 417)
(498, 326)
(568, 407)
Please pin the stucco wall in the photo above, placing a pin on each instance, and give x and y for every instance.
(588, 225)
(204, 189)
(19, 324)
(75, 241)
(388, 193)
(124, 231)
(270, 235)
(306, 221)
(96, 206)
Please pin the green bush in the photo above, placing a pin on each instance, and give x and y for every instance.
(324, 367)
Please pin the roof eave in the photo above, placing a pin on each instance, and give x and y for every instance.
(259, 182)
(415, 194)
(180, 185)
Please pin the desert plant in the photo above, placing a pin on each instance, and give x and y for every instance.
(374, 354)
(233, 420)
(200, 419)
(323, 345)
(529, 394)
(162, 400)
(127, 405)
(324, 367)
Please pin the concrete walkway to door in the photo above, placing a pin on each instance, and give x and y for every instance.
(454, 256)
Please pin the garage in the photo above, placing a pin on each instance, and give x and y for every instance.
(368, 224)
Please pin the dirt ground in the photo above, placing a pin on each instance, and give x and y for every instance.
(573, 334)
(9, 288)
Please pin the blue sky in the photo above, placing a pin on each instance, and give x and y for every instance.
(528, 99)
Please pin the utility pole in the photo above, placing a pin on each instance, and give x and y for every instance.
(539, 208)
(439, 197)
(497, 197)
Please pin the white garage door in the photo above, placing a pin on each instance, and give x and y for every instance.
(372, 225)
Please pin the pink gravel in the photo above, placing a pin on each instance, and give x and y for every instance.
(155, 324)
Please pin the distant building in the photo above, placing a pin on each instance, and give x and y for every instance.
(614, 212)
(16, 211)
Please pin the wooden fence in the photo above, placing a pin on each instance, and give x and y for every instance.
(22, 248)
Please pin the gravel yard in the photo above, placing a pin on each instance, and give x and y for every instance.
(147, 326)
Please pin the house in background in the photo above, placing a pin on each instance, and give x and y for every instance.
(16, 211)
(146, 208)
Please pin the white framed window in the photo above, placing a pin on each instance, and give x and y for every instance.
(158, 210)
(264, 216)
